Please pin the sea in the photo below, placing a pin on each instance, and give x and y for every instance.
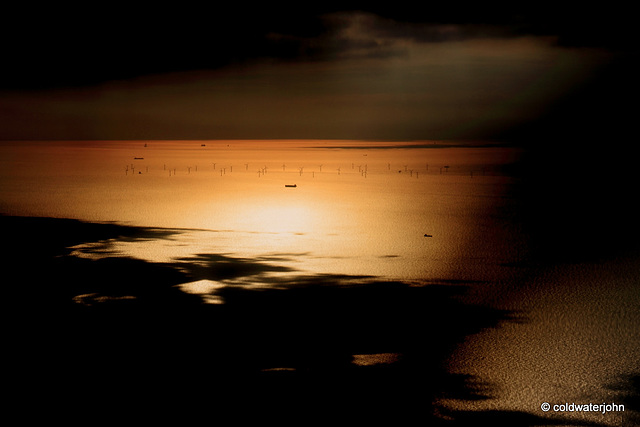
(403, 211)
(417, 213)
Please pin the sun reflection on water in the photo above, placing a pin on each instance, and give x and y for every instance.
(361, 208)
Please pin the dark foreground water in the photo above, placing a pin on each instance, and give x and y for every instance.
(223, 292)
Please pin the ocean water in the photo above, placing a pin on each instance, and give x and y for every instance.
(418, 213)
(357, 208)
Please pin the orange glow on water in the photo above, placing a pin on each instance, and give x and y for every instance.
(223, 216)
(359, 207)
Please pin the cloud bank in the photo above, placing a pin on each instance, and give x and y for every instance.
(350, 74)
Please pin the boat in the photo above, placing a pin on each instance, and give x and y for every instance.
(428, 235)
(291, 185)
(138, 158)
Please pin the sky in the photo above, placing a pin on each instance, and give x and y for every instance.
(354, 71)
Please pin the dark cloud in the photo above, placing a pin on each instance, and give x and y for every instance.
(610, 25)
(53, 46)
(56, 46)
(112, 71)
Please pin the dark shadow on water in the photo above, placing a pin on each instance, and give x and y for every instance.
(578, 176)
(627, 390)
(46, 237)
(225, 267)
(323, 347)
(628, 394)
